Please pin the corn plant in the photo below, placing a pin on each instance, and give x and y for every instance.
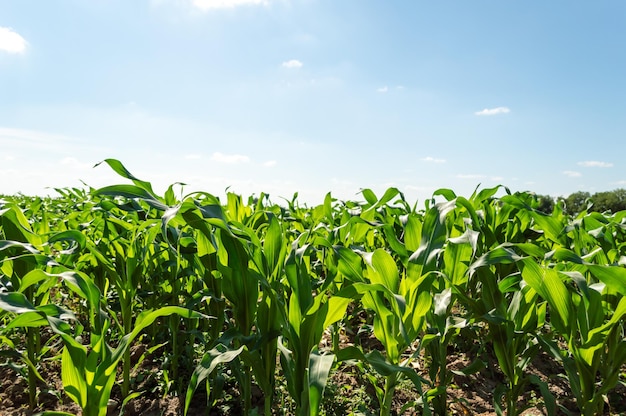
(592, 331)
(306, 315)
(20, 259)
(276, 280)
(514, 316)
(88, 373)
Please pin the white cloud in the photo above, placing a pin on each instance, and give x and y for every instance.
(193, 156)
(382, 89)
(595, 164)
(222, 158)
(293, 63)
(493, 111)
(225, 4)
(11, 41)
(572, 174)
(497, 178)
(269, 163)
(433, 160)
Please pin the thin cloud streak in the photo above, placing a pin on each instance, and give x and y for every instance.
(595, 164)
(206, 5)
(11, 41)
(493, 111)
(572, 174)
(433, 160)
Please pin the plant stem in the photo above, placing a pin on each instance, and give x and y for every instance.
(32, 379)
(390, 386)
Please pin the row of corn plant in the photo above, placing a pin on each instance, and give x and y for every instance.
(254, 287)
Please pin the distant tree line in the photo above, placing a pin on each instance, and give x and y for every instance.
(608, 201)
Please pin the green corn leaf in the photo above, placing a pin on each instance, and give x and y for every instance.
(448, 194)
(15, 302)
(72, 373)
(349, 263)
(121, 170)
(78, 240)
(209, 362)
(319, 369)
(132, 191)
(433, 238)
(336, 310)
(500, 255)
(369, 196)
(385, 368)
(273, 246)
(547, 283)
(614, 277)
(383, 269)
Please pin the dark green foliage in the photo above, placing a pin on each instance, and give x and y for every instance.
(607, 201)
(544, 203)
(576, 202)
(612, 201)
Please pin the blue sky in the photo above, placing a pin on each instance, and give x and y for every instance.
(312, 96)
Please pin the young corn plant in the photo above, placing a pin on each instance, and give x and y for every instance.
(515, 316)
(21, 258)
(400, 299)
(306, 315)
(89, 372)
(443, 320)
(589, 319)
(399, 310)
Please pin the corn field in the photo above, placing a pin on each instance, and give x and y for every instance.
(277, 298)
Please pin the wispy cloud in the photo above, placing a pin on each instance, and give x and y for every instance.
(193, 156)
(572, 174)
(595, 164)
(292, 64)
(269, 163)
(222, 158)
(382, 89)
(23, 139)
(11, 42)
(225, 4)
(493, 111)
(433, 160)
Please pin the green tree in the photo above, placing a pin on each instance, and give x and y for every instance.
(612, 201)
(576, 202)
(544, 203)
